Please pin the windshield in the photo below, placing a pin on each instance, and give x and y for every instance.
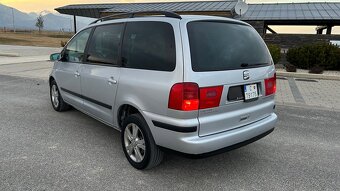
(217, 46)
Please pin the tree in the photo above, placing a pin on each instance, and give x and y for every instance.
(40, 22)
(275, 51)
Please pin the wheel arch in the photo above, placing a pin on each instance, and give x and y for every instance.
(124, 110)
(50, 80)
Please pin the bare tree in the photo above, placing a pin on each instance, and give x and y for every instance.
(40, 22)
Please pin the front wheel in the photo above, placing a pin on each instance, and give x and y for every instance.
(57, 101)
(138, 144)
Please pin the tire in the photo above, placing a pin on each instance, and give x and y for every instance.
(57, 101)
(151, 155)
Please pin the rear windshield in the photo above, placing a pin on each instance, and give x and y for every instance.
(217, 46)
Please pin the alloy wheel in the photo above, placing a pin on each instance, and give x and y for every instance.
(55, 95)
(134, 142)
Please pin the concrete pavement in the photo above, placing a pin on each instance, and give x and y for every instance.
(41, 149)
(293, 91)
(26, 59)
(27, 51)
(37, 70)
(30, 61)
(315, 93)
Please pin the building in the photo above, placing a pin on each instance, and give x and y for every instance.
(324, 15)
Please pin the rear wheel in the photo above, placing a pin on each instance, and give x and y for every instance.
(57, 101)
(138, 144)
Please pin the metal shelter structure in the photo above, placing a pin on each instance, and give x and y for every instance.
(324, 15)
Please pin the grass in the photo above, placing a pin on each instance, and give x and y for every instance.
(34, 38)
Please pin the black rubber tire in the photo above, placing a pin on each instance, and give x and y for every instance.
(153, 154)
(62, 106)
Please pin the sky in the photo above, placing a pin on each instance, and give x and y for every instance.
(50, 5)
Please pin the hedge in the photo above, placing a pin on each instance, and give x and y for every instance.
(275, 51)
(323, 55)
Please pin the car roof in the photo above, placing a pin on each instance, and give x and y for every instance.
(185, 18)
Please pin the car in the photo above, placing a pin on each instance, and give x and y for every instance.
(197, 85)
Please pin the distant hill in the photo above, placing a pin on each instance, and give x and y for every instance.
(52, 21)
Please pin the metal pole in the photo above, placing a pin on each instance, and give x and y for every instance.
(75, 24)
(13, 20)
(329, 29)
(70, 25)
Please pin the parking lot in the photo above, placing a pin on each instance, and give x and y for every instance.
(41, 149)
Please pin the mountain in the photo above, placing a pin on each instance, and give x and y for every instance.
(52, 21)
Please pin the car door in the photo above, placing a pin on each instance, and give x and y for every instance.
(67, 75)
(100, 72)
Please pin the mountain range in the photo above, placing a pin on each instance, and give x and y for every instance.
(52, 21)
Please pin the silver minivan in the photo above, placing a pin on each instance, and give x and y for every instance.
(197, 85)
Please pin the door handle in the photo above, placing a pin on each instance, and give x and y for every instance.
(112, 80)
(76, 74)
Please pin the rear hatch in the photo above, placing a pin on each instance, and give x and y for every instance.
(230, 56)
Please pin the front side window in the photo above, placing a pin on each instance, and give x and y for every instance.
(104, 44)
(74, 51)
(150, 46)
(217, 46)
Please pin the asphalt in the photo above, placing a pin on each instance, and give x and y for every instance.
(41, 149)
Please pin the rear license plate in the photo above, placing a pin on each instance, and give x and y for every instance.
(250, 92)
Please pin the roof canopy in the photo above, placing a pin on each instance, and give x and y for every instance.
(280, 13)
(294, 13)
(85, 10)
(94, 10)
(197, 6)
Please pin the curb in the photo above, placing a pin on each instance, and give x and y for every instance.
(308, 76)
(9, 54)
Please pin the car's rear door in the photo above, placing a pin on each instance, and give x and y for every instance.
(230, 63)
(68, 74)
(100, 73)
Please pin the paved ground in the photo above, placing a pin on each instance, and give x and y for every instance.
(320, 93)
(314, 93)
(41, 149)
(38, 70)
(44, 150)
(31, 62)
(27, 51)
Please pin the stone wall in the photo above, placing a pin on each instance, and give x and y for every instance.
(258, 25)
(292, 40)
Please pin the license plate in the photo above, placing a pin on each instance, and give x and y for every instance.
(250, 92)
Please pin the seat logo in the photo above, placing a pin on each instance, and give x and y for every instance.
(246, 75)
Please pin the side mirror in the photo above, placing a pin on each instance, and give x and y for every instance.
(55, 56)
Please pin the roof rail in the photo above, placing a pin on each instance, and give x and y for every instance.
(133, 15)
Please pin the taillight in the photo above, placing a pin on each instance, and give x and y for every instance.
(184, 96)
(188, 96)
(210, 97)
(270, 85)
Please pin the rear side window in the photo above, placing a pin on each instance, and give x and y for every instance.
(150, 46)
(217, 46)
(104, 44)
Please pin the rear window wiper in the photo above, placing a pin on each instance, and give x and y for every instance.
(245, 65)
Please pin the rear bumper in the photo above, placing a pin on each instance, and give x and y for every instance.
(222, 150)
(191, 143)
